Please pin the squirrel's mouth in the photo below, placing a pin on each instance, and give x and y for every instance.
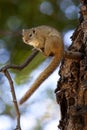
(25, 40)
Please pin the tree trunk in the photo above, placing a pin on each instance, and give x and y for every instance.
(71, 92)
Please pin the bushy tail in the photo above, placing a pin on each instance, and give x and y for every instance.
(44, 75)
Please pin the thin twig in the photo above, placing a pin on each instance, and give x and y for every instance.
(14, 99)
(6, 73)
(20, 67)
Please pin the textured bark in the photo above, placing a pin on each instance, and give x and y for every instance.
(71, 92)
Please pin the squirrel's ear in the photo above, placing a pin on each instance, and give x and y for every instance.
(34, 31)
(23, 32)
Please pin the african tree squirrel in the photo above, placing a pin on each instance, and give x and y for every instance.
(48, 41)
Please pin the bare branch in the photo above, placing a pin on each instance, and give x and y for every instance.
(6, 73)
(14, 99)
(20, 67)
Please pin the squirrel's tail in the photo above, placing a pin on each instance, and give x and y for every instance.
(44, 75)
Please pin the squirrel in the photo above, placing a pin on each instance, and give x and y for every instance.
(47, 40)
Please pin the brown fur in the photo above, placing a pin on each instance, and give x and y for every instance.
(49, 39)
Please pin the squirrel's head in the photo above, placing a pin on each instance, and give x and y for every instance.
(29, 37)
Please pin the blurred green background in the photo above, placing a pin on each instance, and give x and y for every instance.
(16, 15)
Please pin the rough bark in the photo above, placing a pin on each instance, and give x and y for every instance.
(71, 92)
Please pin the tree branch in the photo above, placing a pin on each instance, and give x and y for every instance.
(6, 73)
(14, 99)
(22, 66)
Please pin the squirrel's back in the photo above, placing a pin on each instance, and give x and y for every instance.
(47, 30)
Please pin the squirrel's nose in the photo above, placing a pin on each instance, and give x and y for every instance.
(26, 40)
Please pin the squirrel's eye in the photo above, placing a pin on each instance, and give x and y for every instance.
(30, 35)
